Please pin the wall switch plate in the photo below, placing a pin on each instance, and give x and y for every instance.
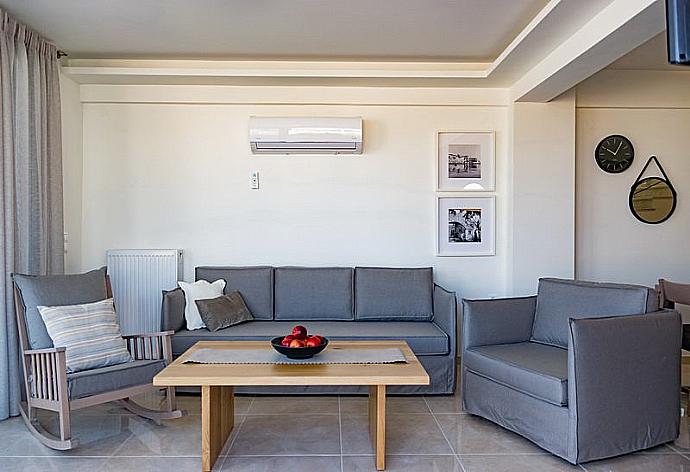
(255, 180)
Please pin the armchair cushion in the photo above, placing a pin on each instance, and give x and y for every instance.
(114, 377)
(90, 334)
(55, 290)
(535, 369)
(558, 300)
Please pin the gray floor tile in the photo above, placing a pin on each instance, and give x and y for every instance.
(287, 435)
(413, 434)
(394, 405)
(445, 404)
(152, 464)
(178, 437)
(46, 464)
(97, 435)
(508, 463)
(403, 464)
(641, 463)
(473, 435)
(271, 464)
(294, 405)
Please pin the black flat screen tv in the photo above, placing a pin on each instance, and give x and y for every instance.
(678, 31)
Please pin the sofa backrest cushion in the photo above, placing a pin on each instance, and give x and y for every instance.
(384, 293)
(313, 293)
(560, 299)
(56, 290)
(172, 310)
(255, 284)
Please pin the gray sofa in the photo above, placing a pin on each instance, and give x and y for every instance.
(584, 370)
(340, 303)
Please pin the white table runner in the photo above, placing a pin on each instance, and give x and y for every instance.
(328, 356)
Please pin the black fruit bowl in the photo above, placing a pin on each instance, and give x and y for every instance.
(298, 352)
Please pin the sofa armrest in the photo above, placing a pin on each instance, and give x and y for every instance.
(623, 382)
(445, 315)
(497, 321)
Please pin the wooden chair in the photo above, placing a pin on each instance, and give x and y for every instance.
(49, 386)
(671, 293)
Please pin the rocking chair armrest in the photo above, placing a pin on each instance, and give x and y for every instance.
(150, 346)
(149, 335)
(46, 374)
(47, 350)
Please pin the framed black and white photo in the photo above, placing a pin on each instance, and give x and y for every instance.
(465, 161)
(466, 226)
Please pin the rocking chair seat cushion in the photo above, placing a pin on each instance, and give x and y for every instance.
(56, 290)
(115, 377)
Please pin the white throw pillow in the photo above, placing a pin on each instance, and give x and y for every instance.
(198, 291)
(89, 333)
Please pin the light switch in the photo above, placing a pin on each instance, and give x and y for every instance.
(255, 180)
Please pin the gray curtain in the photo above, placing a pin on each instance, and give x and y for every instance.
(31, 224)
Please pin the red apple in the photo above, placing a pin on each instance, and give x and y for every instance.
(313, 341)
(296, 343)
(299, 332)
(286, 340)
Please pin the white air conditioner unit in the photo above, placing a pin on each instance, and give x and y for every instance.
(278, 135)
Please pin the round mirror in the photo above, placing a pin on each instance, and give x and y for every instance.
(652, 200)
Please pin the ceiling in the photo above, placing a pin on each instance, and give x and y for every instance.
(649, 56)
(410, 30)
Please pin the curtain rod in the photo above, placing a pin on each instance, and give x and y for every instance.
(61, 54)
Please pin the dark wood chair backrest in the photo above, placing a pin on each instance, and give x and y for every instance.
(671, 293)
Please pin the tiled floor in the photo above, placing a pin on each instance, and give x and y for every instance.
(306, 434)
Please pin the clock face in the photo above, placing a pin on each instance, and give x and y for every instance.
(614, 153)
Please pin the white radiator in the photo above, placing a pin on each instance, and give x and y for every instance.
(138, 277)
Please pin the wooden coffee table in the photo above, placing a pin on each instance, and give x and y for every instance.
(218, 380)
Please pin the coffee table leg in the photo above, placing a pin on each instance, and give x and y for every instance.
(217, 421)
(377, 423)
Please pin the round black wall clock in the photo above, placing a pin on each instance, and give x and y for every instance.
(614, 154)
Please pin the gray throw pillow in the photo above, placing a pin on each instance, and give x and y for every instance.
(221, 312)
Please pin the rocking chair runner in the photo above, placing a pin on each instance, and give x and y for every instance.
(49, 386)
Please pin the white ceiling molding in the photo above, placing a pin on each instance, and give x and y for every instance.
(566, 42)
(614, 31)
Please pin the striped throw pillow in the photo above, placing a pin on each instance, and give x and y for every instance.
(89, 333)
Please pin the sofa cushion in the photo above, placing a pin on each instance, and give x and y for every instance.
(313, 293)
(424, 338)
(172, 310)
(559, 299)
(224, 311)
(56, 290)
(106, 379)
(532, 368)
(254, 283)
(394, 294)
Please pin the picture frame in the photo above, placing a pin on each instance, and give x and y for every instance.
(465, 161)
(465, 226)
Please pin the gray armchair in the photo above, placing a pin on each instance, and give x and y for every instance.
(48, 385)
(584, 370)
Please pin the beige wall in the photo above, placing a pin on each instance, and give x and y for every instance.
(71, 171)
(176, 175)
(169, 166)
(543, 192)
(653, 110)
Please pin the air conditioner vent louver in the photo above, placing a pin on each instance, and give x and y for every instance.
(278, 135)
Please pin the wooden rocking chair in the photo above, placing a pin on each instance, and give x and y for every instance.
(48, 384)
